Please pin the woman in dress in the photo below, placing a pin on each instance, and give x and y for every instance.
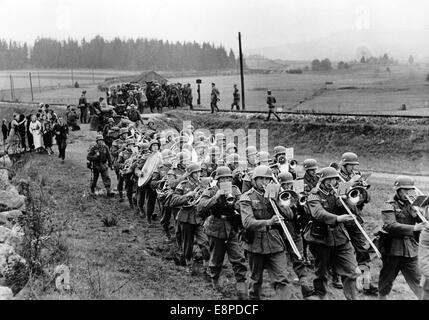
(36, 131)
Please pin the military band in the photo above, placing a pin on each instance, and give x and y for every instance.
(209, 196)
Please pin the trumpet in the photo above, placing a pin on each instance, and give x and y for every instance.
(195, 199)
(357, 195)
(230, 199)
(293, 164)
(289, 198)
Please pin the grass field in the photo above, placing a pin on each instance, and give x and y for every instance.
(364, 89)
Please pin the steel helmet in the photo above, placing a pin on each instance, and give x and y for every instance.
(251, 150)
(152, 142)
(349, 158)
(404, 182)
(220, 162)
(123, 130)
(230, 146)
(279, 150)
(167, 154)
(193, 167)
(328, 173)
(309, 164)
(262, 172)
(263, 156)
(223, 171)
(99, 137)
(285, 177)
(233, 158)
(215, 150)
(199, 144)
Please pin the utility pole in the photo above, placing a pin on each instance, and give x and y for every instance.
(93, 76)
(12, 89)
(72, 77)
(241, 72)
(31, 86)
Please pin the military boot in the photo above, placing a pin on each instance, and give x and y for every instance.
(282, 293)
(110, 194)
(336, 281)
(215, 284)
(121, 196)
(206, 271)
(350, 290)
(306, 289)
(241, 291)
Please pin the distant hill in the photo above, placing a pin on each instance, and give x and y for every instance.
(349, 45)
(261, 62)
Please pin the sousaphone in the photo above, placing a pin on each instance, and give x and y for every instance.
(148, 168)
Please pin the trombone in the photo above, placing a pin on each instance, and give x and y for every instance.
(357, 222)
(282, 224)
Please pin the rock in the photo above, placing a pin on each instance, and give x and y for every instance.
(11, 199)
(13, 269)
(5, 293)
(9, 237)
(11, 215)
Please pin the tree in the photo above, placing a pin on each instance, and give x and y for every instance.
(362, 60)
(315, 65)
(340, 65)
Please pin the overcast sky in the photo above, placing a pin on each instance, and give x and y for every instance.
(262, 23)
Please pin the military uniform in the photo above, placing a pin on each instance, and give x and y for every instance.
(101, 160)
(424, 260)
(190, 222)
(208, 168)
(267, 250)
(158, 177)
(400, 247)
(247, 178)
(236, 101)
(222, 228)
(271, 108)
(214, 97)
(329, 243)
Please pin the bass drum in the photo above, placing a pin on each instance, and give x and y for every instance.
(148, 168)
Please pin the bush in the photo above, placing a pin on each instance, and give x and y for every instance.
(295, 71)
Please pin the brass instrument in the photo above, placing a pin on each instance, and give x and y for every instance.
(230, 199)
(289, 198)
(282, 224)
(357, 195)
(417, 209)
(195, 199)
(356, 221)
(293, 164)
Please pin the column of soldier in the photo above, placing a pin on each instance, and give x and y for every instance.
(219, 202)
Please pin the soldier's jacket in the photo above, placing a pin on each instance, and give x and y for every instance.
(122, 157)
(133, 115)
(347, 177)
(324, 228)
(159, 174)
(247, 179)
(398, 222)
(236, 95)
(117, 145)
(424, 252)
(100, 157)
(180, 176)
(137, 166)
(271, 100)
(219, 223)
(255, 211)
(309, 182)
(179, 198)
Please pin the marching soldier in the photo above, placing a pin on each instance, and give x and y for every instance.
(214, 98)
(271, 107)
(222, 227)
(191, 228)
(328, 238)
(236, 99)
(101, 160)
(310, 177)
(231, 148)
(83, 106)
(124, 155)
(137, 169)
(251, 155)
(348, 165)
(108, 128)
(149, 192)
(399, 247)
(119, 143)
(265, 247)
(263, 158)
(295, 227)
(280, 158)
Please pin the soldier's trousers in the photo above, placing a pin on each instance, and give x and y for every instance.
(275, 263)
(231, 246)
(359, 244)
(191, 232)
(146, 194)
(121, 181)
(104, 175)
(213, 106)
(129, 187)
(84, 115)
(271, 111)
(235, 104)
(391, 267)
(343, 262)
(425, 294)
